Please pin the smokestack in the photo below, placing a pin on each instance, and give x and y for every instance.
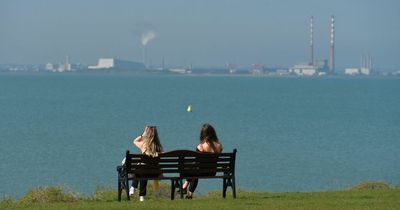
(365, 62)
(361, 61)
(312, 40)
(370, 62)
(144, 56)
(332, 47)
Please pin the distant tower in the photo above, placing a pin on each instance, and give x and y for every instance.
(369, 61)
(312, 40)
(366, 61)
(362, 62)
(144, 58)
(67, 64)
(332, 47)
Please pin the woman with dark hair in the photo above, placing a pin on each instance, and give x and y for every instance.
(209, 143)
(149, 144)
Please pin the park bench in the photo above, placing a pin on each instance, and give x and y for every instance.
(176, 166)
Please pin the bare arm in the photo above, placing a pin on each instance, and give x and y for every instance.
(138, 142)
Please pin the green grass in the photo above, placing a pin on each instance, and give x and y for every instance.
(362, 196)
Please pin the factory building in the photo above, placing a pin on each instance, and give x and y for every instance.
(61, 67)
(305, 69)
(357, 71)
(365, 68)
(112, 63)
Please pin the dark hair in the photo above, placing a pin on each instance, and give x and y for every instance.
(207, 133)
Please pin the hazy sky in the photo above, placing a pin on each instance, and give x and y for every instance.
(202, 32)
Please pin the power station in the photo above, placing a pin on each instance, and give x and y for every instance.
(314, 66)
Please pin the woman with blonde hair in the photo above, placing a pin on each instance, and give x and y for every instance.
(149, 144)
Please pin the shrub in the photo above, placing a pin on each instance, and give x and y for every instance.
(48, 195)
(6, 203)
(371, 186)
(104, 194)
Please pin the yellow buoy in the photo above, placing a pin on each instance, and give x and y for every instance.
(189, 109)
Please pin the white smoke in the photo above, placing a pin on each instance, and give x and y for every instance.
(147, 36)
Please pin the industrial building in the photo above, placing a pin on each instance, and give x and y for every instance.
(66, 66)
(319, 67)
(365, 67)
(112, 63)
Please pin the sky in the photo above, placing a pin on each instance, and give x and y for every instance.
(206, 33)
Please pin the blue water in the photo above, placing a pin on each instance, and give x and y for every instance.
(292, 134)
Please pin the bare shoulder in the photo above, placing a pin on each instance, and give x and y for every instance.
(200, 147)
(207, 147)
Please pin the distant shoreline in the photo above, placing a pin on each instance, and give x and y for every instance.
(134, 73)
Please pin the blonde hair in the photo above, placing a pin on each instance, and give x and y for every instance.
(151, 142)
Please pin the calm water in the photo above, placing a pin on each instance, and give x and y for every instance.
(292, 134)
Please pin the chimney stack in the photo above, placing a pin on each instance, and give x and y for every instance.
(312, 40)
(332, 46)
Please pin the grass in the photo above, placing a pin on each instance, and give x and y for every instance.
(366, 195)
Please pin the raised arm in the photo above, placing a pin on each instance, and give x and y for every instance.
(138, 142)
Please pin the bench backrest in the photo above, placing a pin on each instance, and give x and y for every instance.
(181, 163)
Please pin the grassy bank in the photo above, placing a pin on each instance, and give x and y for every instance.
(363, 196)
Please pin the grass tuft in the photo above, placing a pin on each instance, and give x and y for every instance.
(48, 195)
(105, 194)
(371, 186)
(6, 203)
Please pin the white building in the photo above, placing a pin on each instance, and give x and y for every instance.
(357, 71)
(306, 69)
(104, 63)
(365, 71)
(49, 67)
(352, 71)
(112, 63)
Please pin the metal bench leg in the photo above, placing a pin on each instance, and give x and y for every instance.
(181, 188)
(119, 190)
(233, 187)
(224, 186)
(127, 187)
(172, 189)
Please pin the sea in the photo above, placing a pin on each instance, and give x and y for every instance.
(292, 134)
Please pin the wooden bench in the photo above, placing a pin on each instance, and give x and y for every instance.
(176, 166)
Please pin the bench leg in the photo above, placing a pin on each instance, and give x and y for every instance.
(233, 187)
(127, 187)
(229, 182)
(224, 186)
(181, 188)
(172, 189)
(119, 190)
